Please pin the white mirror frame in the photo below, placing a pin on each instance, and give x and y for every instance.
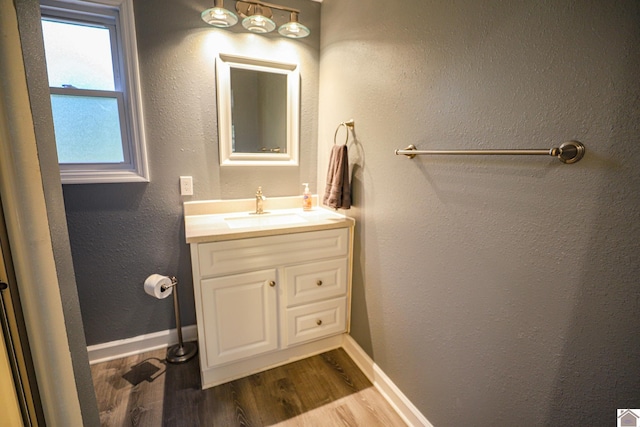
(224, 64)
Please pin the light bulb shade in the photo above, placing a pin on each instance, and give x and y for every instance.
(294, 30)
(219, 17)
(258, 24)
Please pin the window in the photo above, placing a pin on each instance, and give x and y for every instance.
(97, 116)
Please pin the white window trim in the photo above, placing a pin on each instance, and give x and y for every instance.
(105, 173)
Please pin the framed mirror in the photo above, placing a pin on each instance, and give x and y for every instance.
(258, 111)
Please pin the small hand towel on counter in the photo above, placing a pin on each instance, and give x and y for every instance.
(337, 195)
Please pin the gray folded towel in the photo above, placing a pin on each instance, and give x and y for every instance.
(337, 194)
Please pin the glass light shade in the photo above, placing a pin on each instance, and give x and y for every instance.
(219, 17)
(258, 24)
(294, 30)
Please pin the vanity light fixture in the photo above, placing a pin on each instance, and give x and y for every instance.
(257, 18)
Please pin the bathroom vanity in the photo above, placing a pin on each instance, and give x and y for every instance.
(269, 289)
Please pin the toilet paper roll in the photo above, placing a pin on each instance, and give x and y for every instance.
(154, 286)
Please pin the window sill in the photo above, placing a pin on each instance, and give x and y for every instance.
(100, 177)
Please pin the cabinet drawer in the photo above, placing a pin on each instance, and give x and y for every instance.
(313, 321)
(232, 256)
(316, 281)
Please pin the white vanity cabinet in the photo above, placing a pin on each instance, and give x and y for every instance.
(265, 301)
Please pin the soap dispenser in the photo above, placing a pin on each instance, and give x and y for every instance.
(306, 198)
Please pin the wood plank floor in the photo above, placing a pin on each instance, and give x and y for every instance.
(323, 390)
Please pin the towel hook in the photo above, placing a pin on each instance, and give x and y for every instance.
(348, 125)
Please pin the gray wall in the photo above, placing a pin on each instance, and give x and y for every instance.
(121, 233)
(493, 290)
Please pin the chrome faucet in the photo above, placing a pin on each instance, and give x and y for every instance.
(259, 201)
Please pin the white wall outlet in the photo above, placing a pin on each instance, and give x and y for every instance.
(186, 186)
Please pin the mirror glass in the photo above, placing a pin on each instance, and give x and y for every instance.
(258, 111)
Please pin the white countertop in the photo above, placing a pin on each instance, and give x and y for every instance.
(217, 220)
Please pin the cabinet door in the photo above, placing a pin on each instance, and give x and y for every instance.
(240, 318)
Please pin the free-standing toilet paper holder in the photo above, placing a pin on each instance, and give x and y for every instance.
(182, 351)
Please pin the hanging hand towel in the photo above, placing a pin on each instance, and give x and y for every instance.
(337, 194)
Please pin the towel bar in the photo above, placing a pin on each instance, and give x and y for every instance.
(568, 152)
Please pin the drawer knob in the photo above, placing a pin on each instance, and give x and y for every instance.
(319, 283)
(318, 322)
(272, 283)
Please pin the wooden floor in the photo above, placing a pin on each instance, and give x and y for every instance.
(323, 390)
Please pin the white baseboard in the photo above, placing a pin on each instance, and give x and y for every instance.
(403, 406)
(140, 344)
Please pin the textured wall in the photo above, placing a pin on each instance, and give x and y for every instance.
(493, 290)
(121, 233)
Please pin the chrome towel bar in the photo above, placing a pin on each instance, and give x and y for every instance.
(568, 152)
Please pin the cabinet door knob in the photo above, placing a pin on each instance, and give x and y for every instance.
(272, 283)
(319, 283)
(318, 322)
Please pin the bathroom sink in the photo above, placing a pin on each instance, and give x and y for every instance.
(263, 220)
(218, 220)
